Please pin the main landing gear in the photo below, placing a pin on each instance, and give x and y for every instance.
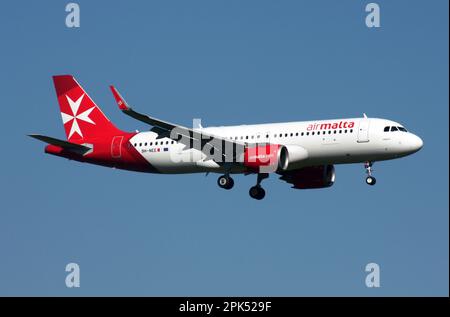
(257, 192)
(225, 182)
(370, 180)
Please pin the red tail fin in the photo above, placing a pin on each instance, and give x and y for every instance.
(82, 118)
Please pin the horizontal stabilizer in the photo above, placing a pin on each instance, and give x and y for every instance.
(72, 147)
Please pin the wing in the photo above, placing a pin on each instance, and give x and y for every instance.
(69, 146)
(187, 136)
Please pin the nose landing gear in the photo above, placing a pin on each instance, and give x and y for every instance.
(257, 192)
(370, 180)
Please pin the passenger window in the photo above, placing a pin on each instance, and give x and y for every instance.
(135, 144)
(351, 130)
(151, 143)
(329, 132)
(281, 135)
(246, 137)
(292, 134)
(307, 133)
(140, 144)
(303, 133)
(340, 131)
(386, 129)
(394, 129)
(345, 131)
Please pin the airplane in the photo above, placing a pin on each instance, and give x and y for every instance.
(302, 154)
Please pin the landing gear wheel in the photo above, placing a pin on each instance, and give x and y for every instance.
(225, 182)
(257, 192)
(370, 180)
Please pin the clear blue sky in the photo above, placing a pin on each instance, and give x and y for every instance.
(227, 62)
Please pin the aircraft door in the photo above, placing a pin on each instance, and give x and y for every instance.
(363, 130)
(116, 147)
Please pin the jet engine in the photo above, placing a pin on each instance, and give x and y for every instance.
(311, 177)
(274, 157)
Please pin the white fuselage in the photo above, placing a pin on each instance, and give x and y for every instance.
(336, 141)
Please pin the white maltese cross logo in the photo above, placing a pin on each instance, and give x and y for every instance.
(84, 116)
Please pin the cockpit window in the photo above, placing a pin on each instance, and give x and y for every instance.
(389, 128)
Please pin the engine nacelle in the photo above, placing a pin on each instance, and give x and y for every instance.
(311, 177)
(274, 157)
(291, 157)
(264, 158)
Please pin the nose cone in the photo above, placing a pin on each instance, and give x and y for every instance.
(415, 143)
